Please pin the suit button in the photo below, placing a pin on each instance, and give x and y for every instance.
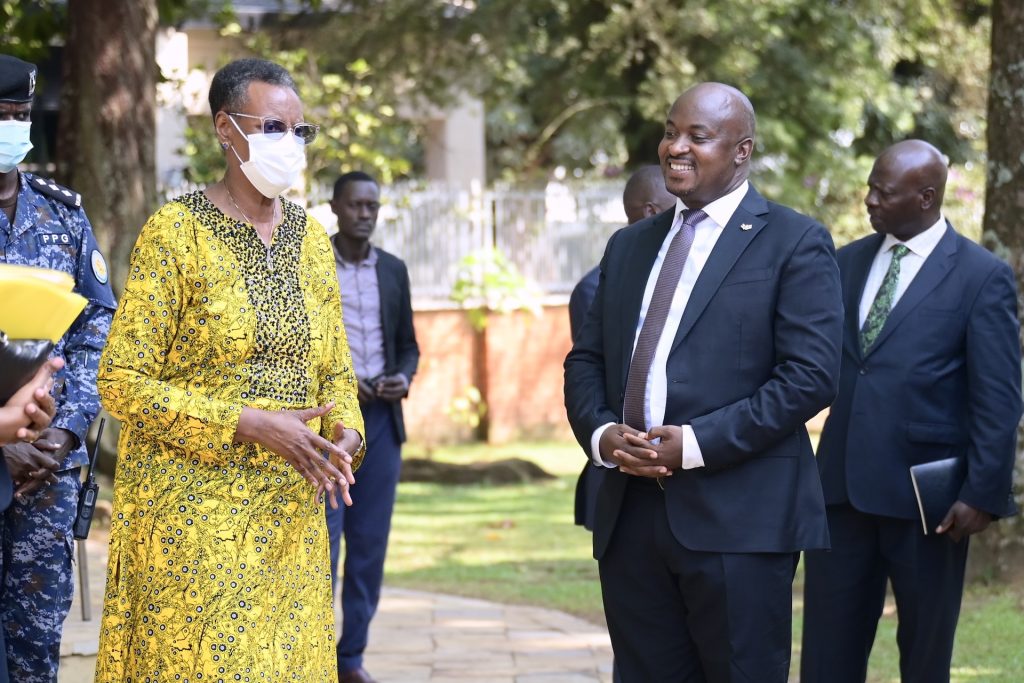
(863, 371)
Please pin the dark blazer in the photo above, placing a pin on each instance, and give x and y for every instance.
(942, 379)
(581, 298)
(755, 356)
(401, 352)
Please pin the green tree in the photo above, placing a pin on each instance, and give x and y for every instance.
(586, 83)
(107, 123)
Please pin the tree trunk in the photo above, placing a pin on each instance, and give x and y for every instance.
(107, 131)
(1003, 231)
(481, 373)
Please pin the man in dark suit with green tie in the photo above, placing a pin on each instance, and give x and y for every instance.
(931, 370)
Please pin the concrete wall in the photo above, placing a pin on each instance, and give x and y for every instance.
(524, 357)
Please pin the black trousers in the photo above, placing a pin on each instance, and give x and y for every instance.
(681, 616)
(844, 593)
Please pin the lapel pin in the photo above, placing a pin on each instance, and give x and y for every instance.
(746, 226)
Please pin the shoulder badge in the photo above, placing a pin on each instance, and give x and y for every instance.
(55, 191)
(99, 266)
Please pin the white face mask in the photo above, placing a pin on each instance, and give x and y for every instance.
(14, 143)
(273, 165)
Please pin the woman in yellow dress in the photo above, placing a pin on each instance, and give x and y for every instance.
(228, 366)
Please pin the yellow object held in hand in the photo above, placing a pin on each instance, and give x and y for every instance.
(37, 303)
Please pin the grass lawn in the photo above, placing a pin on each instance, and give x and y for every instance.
(518, 544)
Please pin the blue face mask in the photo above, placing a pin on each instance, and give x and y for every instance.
(14, 143)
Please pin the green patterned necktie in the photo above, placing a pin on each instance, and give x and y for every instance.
(882, 304)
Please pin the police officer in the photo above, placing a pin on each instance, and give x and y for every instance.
(43, 224)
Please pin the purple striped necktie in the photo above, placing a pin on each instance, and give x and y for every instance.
(654, 321)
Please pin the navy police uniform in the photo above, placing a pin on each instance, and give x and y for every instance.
(50, 230)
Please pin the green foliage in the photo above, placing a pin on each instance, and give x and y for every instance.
(586, 83)
(486, 281)
(468, 408)
(29, 27)
(174, 12)
(205, 158)
(358, 129)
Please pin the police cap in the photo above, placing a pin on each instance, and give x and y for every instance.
(17, 80)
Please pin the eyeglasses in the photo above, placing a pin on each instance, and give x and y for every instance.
(276, 128)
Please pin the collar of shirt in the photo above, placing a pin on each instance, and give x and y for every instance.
(920, 247)
(370, 260)
(921, 244)
(720, 210)
(26, 215)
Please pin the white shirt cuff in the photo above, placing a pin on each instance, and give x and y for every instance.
(692, 456)
(595, 447)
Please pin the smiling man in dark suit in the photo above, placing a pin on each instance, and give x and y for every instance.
(713, 337)
(377, 311)
(931, 370)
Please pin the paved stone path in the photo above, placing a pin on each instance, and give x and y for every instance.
(417, 637)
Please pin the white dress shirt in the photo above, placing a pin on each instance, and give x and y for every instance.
(920, 246)
(706, 234)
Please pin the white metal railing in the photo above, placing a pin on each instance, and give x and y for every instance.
(553, 236)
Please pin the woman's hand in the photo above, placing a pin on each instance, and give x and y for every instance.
(348, 441)
(286, 433)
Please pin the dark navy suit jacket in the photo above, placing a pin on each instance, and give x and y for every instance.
(755, 356)
(581, 298)
(942, 379)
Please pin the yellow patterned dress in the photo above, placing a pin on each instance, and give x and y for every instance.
(219, 556)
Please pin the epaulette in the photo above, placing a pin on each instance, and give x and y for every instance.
(55, 191)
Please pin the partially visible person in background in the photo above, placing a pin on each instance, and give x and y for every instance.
(43, 224)
(377, 306)
(931, 370)
(228, 367)
(644, 196)
(23, 418)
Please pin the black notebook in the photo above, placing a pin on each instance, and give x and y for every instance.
(936, 486)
